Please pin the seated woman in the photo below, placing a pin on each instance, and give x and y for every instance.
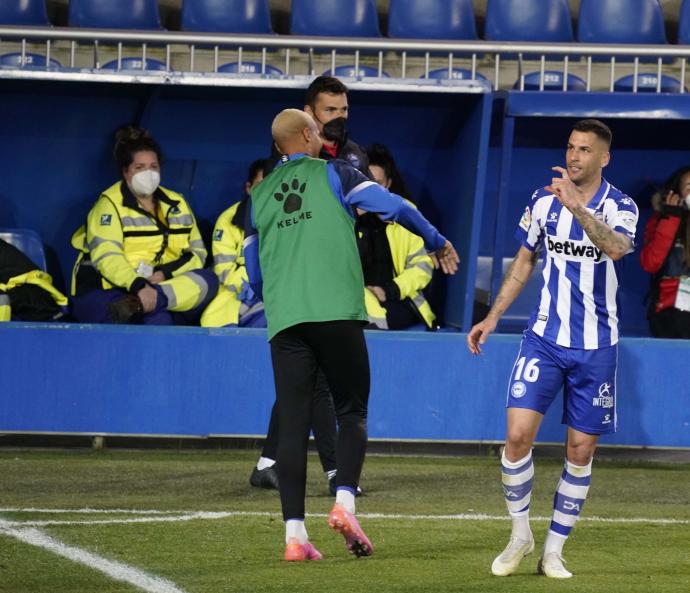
(666, 254)
(141, 255)
(395, 264)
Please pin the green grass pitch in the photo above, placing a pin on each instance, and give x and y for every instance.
(436, 524)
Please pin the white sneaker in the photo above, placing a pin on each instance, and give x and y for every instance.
(507, 562)
(552, 565)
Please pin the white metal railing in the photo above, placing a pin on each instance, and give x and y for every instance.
(666, 57)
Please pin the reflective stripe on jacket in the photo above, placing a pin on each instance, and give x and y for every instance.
(413, 271)
(228, 265)
(38, 278)
(120, 236)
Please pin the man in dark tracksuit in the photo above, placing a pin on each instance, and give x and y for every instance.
(301, 230)
(326, 101)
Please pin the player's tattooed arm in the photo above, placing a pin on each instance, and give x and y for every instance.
(514, 281)
(612, 243)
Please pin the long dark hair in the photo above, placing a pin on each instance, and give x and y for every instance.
(673, 184)
(131, 139)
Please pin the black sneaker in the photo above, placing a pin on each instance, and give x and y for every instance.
(264, 478)
(332, 487)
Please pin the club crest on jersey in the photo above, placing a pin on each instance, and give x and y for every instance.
(218, 235)
(106, 219)
(574, 250)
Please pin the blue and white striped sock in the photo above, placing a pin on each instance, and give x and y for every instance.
(567, 504)
(517, 480)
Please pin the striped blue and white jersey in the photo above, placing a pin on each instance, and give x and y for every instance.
(578, 305)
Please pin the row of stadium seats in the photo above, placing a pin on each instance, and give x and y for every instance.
(553, 80)
(599, 21)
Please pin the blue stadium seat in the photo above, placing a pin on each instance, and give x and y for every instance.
(31, 61)
(114, 14)
(350, 72)
(135, 64)
(432, 19)
(334, 18)
(23, 12)
(249, 68)
(647, 83)
(553, 81)
(226, 16)
(684, 23)
(456, 74)
(28, 242)
(639, 22)
(528, 20)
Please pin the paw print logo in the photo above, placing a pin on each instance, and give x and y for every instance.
(291, 196)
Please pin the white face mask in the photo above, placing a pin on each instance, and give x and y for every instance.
(144, 183)
(687, 201)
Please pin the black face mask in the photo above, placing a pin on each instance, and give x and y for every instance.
(336, 130)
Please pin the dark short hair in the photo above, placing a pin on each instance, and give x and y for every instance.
(380, 155)
(131, 139)
(598, 128)
(258, 166)
(323, 84)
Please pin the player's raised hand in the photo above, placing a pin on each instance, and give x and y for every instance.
(446, 258)
(479, 334)
(563, 188)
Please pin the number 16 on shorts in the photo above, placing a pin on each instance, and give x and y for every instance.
(525, 371)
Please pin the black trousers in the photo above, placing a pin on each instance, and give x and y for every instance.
(323, 426)
(670, 323)
(339, 350)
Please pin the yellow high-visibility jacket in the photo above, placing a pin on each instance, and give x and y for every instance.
(5, 309)
(36, 277)
(413, 269)
(228, 265)
(119, 237)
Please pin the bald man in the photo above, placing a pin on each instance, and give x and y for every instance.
(301, 253)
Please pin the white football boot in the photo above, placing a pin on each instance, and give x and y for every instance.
(507, 562)
(552, 565)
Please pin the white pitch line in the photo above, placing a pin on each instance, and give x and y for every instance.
(118, 571)
(90, 511)
(206, 515)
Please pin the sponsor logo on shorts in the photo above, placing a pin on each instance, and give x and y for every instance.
(605, 399)
(607, 419)
(518, 389)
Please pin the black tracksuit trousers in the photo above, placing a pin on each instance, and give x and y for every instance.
(337, 348)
